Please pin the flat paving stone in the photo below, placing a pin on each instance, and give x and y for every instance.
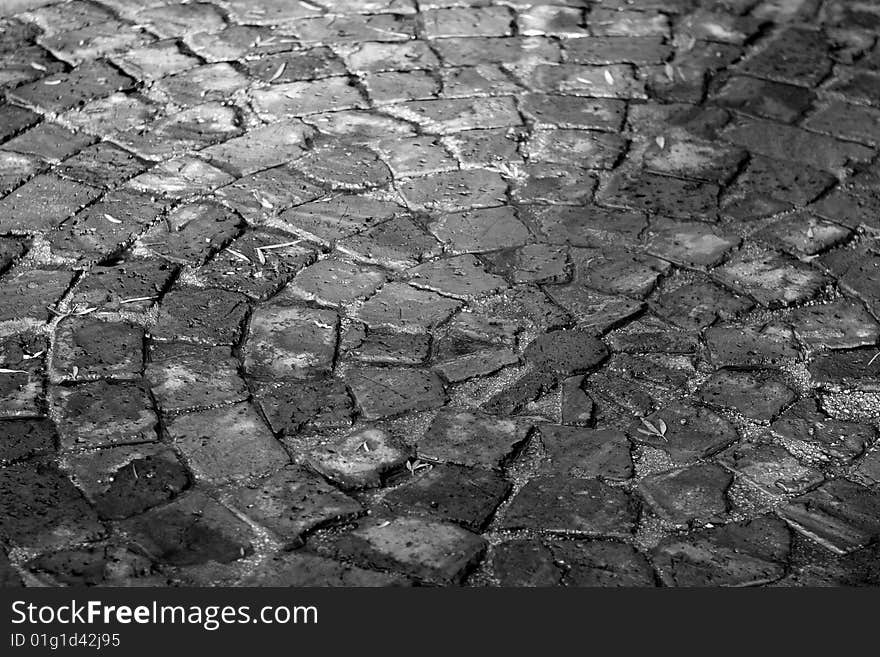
(42, 509)
(16, 168)
(305, 569)
(184, 376)
(691, 432)
(191, 233)
(758, 396)
(467, 496)
(101, 565)
(49, 141)
(576, 406)
(88, 348)
(804, 234)
(43, 203)
(699, 304)
(199, 315)
(294, 501)
(808, 431)
(387, 347)
(796, 54)
(385, 392)
(90, 80)
(428, 550)
(651, 192)
(461, 276)
(294, 407)
(770, 100)
(227, 444)
(257, 263)
(261, 148)
(532, 563)
(180, 178)
(406, 308)
(128, 285)
(566, 352)
(444, 116)
(360, 459)
(840, 515)
(795, 144)
(750, 346)
(397, 244)
(333, 282)
(104, 414)
(771, 279)
(25, 439)
(582, 452)
(696, 493)
(472, 439)
(845, 369)
(738, 554)
(771, 468)
(480, 363)
(581, 506)
(194, 529)
(690, 244)
(90, 235)
(694, 158)
(587, 226)
(481, 230)
(290, 341)
(769, 185)
(127, 480)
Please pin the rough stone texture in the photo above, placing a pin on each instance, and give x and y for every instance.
(386, 392)
(583, 506)
(738, 554)
(304, 569)
(468, 496)
(125, 481)
(193, 529)
(42, 509)
(806, 429)
(573, 451)
(428, 550)
(839, 515)
(296, 407)
(89, 349)
(758, 396)
(290, 341)
(695, 493)
(483, 265)
(201, 316)
(359, 459)
(226, 444)
(473, 439)
(529, 562)
(104, 413)
(692, 432)
(184, 376)
(294, 501)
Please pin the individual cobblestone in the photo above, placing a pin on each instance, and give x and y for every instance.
(431, 551)
(530, 562)
(582, 506)
(737, 554)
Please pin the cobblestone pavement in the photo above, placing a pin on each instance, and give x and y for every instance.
(386, 292)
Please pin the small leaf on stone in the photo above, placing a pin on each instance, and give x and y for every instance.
(278, 73)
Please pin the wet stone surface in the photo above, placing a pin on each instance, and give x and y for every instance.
(383, 292)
